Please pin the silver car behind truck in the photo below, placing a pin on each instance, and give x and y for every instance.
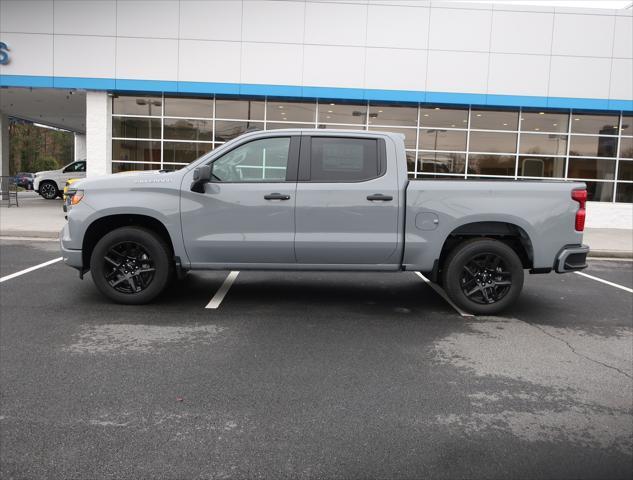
(322, 200)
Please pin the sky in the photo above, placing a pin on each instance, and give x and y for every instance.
(566, 3)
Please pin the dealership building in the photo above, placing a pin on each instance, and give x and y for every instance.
(478, 90)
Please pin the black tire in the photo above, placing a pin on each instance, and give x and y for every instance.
(48, 190)
(121, 254)
(489, 270)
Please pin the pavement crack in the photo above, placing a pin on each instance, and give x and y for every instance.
(593, 360)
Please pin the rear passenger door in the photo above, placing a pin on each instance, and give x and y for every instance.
(347, 202)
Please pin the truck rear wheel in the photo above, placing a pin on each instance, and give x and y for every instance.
(131, 265)
(483, 276)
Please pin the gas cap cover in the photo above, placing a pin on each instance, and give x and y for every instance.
(426, 221)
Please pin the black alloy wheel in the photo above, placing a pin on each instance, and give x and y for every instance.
(128, 267)
(485, 279)
(132, 265)
(483, 276)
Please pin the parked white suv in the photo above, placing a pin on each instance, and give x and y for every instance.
(50, 184)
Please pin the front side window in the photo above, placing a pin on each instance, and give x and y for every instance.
(264, 160)
(343, 159)
(75, 167)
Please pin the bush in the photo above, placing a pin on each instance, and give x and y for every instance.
(45, 162)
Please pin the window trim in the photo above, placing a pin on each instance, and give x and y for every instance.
(305, 158)
(291, 165)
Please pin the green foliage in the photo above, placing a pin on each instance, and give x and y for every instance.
(45, 162)
(33, 149)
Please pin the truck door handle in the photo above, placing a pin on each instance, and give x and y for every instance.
(276, 196)
(380, 197)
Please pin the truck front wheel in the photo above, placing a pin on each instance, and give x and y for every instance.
(483, 276)
(131, 265)
(49, 190)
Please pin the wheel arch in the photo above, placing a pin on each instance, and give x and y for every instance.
(103, 225)
(513, 235)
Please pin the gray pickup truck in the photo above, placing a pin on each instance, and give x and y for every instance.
(322, 200)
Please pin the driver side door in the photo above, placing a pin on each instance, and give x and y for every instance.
(246, 213)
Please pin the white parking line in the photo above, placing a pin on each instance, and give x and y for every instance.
(222, 291)
(30, 269)
(622, 287)
(443, 294)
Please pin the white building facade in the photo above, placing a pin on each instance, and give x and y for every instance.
(478, 90)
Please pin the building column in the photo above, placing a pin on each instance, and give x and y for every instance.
(4, 145)
(80, 146)
(98, 134)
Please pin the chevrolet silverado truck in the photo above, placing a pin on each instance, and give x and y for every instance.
(331, 200)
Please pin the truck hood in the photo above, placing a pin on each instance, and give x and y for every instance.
(47, 172)
(128, 180)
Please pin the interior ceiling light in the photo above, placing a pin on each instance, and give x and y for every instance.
(555, 124)
(576, 119)
(280, 106)
(426, 114)
(479, 114)
(331, 104)
(437, 108)
(541, 113)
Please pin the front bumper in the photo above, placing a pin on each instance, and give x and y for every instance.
(71, 257)
(572, 258)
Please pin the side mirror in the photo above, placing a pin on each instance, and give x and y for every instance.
(201, 175)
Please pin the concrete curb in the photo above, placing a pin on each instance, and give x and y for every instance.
(29, 234)
(610, 254)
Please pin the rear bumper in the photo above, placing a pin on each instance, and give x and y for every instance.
(572, 258)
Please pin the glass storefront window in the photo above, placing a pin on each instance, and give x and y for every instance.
(136, 150)
(227, 130)
(118, 167)
(411, 163)
(625, 170)
(184, 152)
(189, 107)
(626, 147)
(341, 112)
(600, 191)
(136, 127)
(290, 112)
(625, 193)
(441, 162)
(494, 119)
(491, 165)
(594, 124)
(170, 131)
(392, 115)
(440, 139)
(186, 129)
(493, 142)
(586, 146)
(544, 122)
(410, 134)
(543, 144)
(541, 167)
(443, 117)
(239, 109)
(137, 105)
(346, 127)
(277, 126)
(591, 168)
(627, 125)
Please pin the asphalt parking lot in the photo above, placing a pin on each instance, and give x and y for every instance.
(312, 375)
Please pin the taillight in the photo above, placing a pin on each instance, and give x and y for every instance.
(581, 197)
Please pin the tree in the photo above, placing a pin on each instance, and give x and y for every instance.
(33, 148)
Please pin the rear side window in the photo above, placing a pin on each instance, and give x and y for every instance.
(343, 159)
